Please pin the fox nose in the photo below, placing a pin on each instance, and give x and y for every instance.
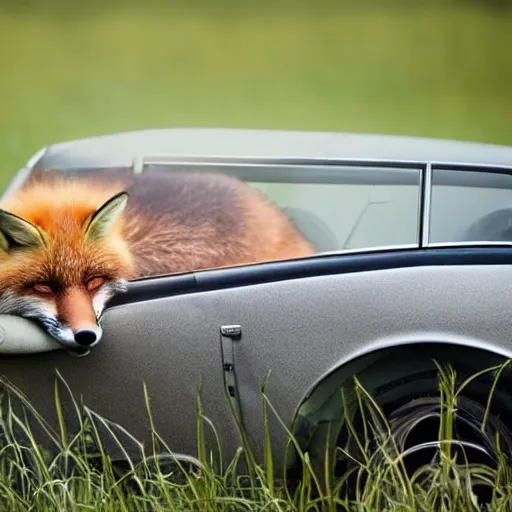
(85, 337)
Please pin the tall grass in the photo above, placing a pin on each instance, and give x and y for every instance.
(74, 472)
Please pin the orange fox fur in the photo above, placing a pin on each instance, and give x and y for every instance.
(55, 270)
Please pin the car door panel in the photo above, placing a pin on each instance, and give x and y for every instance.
(301, 329)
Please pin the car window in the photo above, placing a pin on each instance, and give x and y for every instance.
(470, 206)
(337, 207)
(361, 213)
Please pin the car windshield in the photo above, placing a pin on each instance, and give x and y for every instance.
(369, 206)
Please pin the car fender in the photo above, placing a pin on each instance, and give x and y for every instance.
(358, 314)
(383, 368)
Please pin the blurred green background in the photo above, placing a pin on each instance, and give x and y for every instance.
(440, 69)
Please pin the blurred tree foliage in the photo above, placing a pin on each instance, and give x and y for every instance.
(75, 68)
(94, 7)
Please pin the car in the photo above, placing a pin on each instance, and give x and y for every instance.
(414, 265)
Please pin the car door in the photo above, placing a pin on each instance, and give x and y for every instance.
(220, 331)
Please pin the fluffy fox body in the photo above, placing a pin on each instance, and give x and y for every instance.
(68, 244)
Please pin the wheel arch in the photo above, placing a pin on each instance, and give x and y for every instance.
(319, 415)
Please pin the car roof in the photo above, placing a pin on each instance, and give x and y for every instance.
(121, 149)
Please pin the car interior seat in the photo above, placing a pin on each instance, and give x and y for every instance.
(316, 231)
(493, 227)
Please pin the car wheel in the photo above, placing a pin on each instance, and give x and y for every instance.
(411, 405)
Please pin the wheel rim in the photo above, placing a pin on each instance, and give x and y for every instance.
(415, 428)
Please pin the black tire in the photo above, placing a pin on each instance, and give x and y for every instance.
(405, 387)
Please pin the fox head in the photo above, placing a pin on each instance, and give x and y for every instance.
(61, 262)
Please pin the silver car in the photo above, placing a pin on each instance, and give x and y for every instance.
(414, 265)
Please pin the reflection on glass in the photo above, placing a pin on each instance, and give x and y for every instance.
(348, 216)
(470, 206)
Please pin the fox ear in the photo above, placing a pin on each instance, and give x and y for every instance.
(15, 231)
(4, 244)
(100, 222)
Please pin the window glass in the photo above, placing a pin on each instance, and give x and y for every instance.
(470, 206)
(336, 207)
(351, 215)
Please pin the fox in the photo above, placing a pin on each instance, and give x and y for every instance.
(68, 244)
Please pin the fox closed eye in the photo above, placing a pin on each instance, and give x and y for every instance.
(96, 282)
(43, 288)
(46, 288)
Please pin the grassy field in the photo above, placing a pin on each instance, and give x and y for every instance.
(441, 71)
(77, 474)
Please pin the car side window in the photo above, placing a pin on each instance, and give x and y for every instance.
(365, 209)
(470, 206)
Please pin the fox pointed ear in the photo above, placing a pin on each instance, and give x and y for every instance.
(15, 231)
(4, 244)
(102, 220)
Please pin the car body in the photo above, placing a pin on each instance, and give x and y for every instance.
(414, 263)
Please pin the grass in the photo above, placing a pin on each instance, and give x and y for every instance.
(438, 69)
(77, 474)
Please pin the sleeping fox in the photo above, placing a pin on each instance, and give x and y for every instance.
(68, 244)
